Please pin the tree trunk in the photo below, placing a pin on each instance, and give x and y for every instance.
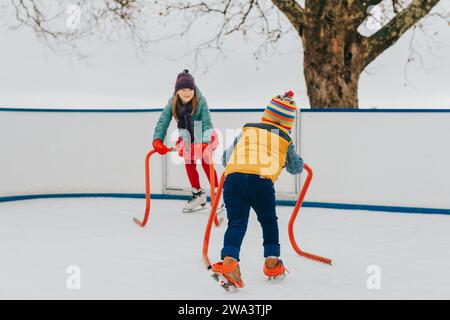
(332, 59)
(330, 81)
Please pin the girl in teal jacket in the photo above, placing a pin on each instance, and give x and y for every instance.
(189, 108)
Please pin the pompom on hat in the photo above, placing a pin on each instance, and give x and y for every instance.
(281, 111)
(185, 81)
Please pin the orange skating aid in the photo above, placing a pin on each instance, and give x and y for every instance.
(274, 268)
(230, 271)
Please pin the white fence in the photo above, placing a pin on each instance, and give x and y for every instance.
(366, 157)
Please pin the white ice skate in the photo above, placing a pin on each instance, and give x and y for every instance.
(220, 212)
(197, 202)
(221, 208)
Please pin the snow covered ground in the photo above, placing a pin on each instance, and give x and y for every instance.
(40, 239)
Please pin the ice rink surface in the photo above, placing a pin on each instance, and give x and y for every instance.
(40, 239)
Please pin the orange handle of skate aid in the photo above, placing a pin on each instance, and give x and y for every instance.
(212, 217)
(212, 182)
(294, 216)
(147, 189)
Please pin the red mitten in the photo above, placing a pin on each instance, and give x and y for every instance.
(214, 141)
(180, 146)
(160, 147)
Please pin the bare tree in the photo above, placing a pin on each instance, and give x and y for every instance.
(335, 51)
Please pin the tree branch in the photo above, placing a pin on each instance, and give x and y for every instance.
(293, 11)
(393, 31)
(230, 17)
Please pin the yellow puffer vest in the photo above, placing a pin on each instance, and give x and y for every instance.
(261, 150)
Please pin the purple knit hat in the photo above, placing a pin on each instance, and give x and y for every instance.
(185, 80)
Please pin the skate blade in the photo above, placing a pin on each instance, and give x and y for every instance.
(223, 282)
(276, 278)
(202, 208)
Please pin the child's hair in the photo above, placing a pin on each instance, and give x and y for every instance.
(175, 102)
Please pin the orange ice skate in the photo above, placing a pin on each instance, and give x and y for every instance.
(228, 273)
(274, 268)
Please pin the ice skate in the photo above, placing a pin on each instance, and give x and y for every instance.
(220, 213)
(274, 268)
(197, 202)
(228, 273)
(221, 208)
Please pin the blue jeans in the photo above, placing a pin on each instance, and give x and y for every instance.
(240, 192)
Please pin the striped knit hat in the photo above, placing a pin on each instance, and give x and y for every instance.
(281, 110)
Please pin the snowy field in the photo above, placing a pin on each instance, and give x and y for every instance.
(40, 239)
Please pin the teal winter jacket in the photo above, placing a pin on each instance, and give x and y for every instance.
(201, 114)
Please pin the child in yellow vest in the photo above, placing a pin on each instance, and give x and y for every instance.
(252, 165)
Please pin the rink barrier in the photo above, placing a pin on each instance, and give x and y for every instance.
(326, 205)
(290, 203)
(230, 110)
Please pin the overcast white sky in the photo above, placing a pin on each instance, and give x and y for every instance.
(33, 77)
